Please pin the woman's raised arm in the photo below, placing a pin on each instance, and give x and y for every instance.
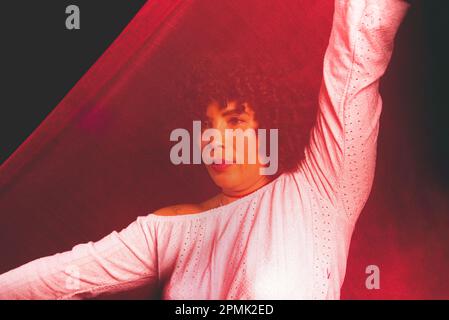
(340, 160)
(118, 262)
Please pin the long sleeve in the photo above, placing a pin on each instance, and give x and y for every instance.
(118, 262)
(340, 159)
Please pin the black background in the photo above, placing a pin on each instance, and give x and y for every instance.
(42, 60)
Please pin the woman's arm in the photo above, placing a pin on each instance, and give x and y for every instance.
(118, 262)
(340, 160)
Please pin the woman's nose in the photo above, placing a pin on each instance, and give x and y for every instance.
(217, 142)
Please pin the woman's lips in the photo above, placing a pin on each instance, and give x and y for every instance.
(220, 166)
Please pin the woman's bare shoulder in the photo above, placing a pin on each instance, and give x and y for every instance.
(187, 208)
(179, 209)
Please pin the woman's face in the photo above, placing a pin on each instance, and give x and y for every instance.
(232, 177)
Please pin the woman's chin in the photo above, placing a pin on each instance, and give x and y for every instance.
(223, 179)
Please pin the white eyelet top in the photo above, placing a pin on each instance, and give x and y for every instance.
(287, 240)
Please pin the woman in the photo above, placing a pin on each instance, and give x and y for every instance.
(280, 237)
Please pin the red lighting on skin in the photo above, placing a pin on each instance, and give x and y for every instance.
(220, 167)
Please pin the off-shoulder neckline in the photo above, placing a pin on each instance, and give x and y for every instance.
(224, 208)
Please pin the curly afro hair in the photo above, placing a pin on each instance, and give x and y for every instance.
(278, 102)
